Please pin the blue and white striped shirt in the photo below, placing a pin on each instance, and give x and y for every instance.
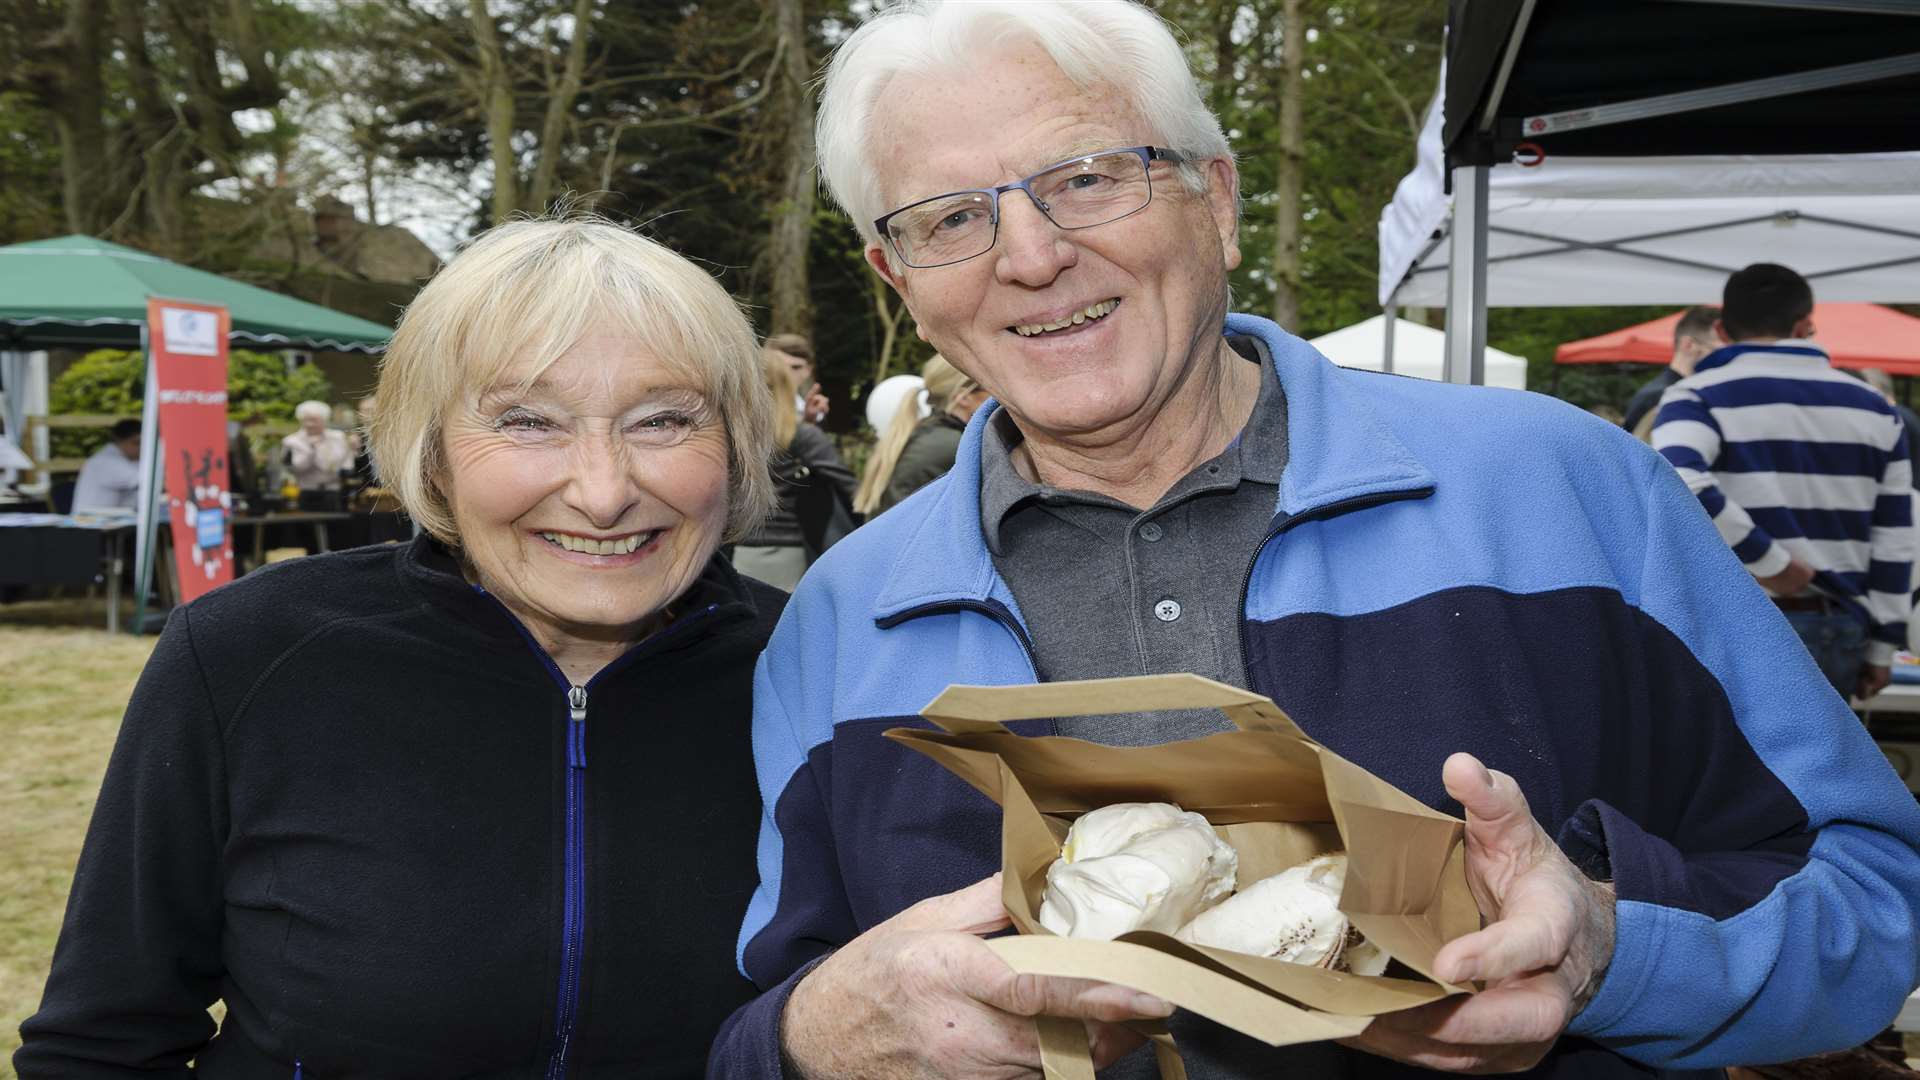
(1794, 459)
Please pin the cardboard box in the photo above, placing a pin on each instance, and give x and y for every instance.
(1276, 795)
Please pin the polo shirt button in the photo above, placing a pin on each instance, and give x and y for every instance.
(1150, 532)
(1167, 610)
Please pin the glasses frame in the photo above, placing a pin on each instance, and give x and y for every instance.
(1147, 155)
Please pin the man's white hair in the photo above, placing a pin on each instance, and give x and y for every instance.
(318, 409)
(1118, 43)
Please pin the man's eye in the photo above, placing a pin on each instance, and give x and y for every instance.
(959, 219)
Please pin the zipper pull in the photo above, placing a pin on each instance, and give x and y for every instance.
(577, 727)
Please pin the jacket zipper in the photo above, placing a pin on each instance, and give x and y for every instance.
(574, 884)
(573, 903)
(1282, 524)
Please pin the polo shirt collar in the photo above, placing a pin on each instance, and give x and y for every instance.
(1257, 453)
(1338, 450)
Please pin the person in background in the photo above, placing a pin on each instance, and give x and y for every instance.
(1693, 338)
(111, 477)
(316, 454)
(915, 451)
(796, 352)
(777, 551)
(243, 471)
(480, 804)
(1686, 850)
(1806, 474)
(1883, 382)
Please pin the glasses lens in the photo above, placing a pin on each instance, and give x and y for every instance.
(943, 230)
(1094, 190)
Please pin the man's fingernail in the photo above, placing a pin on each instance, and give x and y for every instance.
(1152, 1006)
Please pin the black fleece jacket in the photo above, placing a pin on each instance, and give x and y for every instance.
(346, 799)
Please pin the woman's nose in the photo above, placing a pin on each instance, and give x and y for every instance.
(602, 487)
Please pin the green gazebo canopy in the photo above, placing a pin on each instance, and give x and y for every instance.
(78, 292)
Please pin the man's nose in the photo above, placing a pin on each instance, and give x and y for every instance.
(1032, 249)
(602, 487)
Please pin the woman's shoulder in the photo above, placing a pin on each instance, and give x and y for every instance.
(299, 595)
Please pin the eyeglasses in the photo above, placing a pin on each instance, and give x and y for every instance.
(1076, 194)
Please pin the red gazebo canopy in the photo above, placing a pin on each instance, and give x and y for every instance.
(1855, 335)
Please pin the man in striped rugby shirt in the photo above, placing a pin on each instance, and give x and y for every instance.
(1804, 470)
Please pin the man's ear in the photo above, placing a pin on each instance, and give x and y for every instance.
(877, 258)
(1803, 329)
(1720, 331)
(1223, 200)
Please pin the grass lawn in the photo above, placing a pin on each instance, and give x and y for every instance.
(64, 682)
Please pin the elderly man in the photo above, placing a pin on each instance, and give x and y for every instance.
(1691, 853)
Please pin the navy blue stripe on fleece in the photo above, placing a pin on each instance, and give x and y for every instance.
(1763, 390)
(1573, 691)
(897, 829)
(1797, 456)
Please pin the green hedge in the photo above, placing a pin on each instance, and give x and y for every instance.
(114, 382)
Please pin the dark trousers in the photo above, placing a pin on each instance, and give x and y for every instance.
(1838, 642)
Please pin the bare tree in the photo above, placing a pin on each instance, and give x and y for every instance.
(792, 309)
(1290, 169)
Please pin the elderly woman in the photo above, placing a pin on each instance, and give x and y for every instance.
(481, 804)
(316, 454)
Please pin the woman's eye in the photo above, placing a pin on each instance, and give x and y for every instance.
(663, 422)
(521, 421)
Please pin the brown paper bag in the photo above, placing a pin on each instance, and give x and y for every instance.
(1273, 793)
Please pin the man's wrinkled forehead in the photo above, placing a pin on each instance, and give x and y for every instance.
(915, 116)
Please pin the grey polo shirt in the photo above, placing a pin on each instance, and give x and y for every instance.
(1108, 590)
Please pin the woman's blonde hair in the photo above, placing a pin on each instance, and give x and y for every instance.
(945, 384)
(779, 380)
(533, 289)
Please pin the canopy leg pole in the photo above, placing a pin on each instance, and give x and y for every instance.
(1466, 357)
(1386, 355)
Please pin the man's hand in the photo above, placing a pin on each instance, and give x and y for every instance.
(1540, 958)
(815, 405)
(920, 995)
(1873, 679)
(1789, 582)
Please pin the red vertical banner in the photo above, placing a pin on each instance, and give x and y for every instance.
(189, 343)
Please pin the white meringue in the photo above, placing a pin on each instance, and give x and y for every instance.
(1294, 916)
(1135, 866)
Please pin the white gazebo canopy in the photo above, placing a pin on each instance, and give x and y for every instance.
(1665, 230)
(1418, 350)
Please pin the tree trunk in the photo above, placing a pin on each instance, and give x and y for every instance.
(83, 133)
(559, 104)
(1223, 61)
(792, 309)
(496, 103)
(1288, 178)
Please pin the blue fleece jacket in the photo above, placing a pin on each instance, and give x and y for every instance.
(1449, 568)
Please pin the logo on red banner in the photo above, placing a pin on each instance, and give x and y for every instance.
(189, 343)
